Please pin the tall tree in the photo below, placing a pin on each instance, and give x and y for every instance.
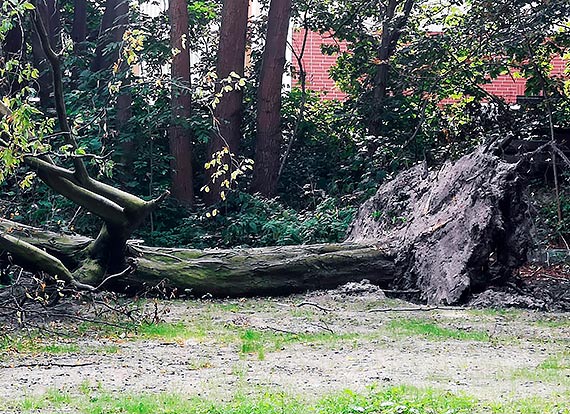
(79, 27)
(100, 61)
(392, 26)
(12, 48)
(269, 136)
(124, 100)
(180, 137)
(114, 23)
(48, 11)
(228, 113)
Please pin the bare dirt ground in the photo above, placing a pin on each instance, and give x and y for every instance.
(310, 345)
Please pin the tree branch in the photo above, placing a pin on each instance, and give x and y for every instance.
(53, 58)
(31, 257)
(108, 210)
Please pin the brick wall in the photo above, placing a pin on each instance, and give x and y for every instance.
(317, 65)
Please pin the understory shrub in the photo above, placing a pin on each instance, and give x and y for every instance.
(253, 221)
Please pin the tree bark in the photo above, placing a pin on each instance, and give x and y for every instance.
(79, 28)
(221, 273)
(100, 60)
(444, 234)
(12, 48)
(392, 28)
(48, 12)
(456, 230)
(180, 136)
(269, 137)
(124, 100)
(228, 113)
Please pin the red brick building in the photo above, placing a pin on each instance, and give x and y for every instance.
(316, 66)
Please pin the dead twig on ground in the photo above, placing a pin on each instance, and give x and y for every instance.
(315, 305)
(418, 309)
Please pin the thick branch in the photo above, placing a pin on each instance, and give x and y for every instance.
(33, 258)
(108, 210)
(268, 270)
(66, 247)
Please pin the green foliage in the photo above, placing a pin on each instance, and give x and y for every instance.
(247, 220)
(334, 163)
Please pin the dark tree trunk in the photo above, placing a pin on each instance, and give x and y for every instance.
(12, 48)
(124, 100)
(49, 14)
(54, 24)
(269, 137)
(113, 26)
(100, 60)
(392, 28)
(180, 136)
(228, 113)
(79, 28)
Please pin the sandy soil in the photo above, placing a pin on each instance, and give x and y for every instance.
(368, 351)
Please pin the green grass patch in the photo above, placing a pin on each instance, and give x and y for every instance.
(260, 342)
(393, 400)
(168, 331)
(431, 330)
(34, 344)
(509, 313)
(60, 348)
(554, 322)
(554, 369)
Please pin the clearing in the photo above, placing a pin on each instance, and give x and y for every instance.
(295, 355)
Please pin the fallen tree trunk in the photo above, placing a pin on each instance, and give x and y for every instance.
(235, 272)
(445, 234)
(261, 271)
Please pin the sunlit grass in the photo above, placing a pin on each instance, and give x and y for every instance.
(554, 369)
(431, 330)
(260, 342)
(392, 400)
(35, 344)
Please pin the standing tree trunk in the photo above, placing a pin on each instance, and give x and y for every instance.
(100, 61)
(268, 145)
(79, 28)
(392, 27)
(228, 113)
(49, 13)
(124, 100)
(12, 48)
(113, 26)
(180, 137)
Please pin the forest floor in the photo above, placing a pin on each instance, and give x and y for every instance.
(305, 347)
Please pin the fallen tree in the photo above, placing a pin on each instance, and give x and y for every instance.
(444, 233)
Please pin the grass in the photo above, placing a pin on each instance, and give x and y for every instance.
(431, 330)
(259, 342)
(392, 400)
(509, 313)
(35, 344)
(554, 322)
(554, 369)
